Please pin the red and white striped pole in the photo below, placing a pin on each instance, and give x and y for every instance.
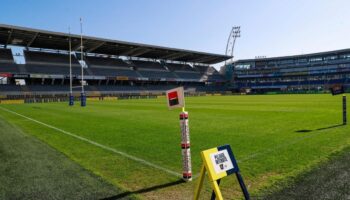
(176, 99)
(185, 146)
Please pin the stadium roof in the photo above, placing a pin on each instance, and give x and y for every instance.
(28, 37)
(324, 53)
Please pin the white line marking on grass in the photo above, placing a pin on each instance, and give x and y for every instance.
(144, 162)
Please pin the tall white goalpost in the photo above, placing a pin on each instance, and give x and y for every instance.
(82, 95)
(71, 97)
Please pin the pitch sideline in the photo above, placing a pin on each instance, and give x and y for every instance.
(139, 160)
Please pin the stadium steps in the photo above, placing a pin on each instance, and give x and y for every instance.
(95, 91)
(175, 74)
(26, 90)
(89, 71)
(138, 73)
(22, 69)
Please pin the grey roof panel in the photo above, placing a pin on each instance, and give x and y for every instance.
(14, 35)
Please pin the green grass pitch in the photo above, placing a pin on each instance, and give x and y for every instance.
(274, 138)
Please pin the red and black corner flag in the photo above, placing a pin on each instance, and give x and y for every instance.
(175, 97)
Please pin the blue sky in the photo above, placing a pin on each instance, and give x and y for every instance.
(269, 27)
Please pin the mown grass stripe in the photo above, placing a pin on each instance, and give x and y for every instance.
(139, 160)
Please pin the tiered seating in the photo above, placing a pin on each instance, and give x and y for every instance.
(201, 69)
(161, 88)
(49, 69)
(179, 67)
(147, 65)
(212, 88)
(101, 66)
(8, 68)
(214, 75)
(189, 75)
(48, 88)
(184, 71)
(103, 61)
(7, 64)
(6, 55)
(34, 57)
(99, 71)
(152, 70)
(118, 88)
(50, 63)
(10, 88)
(157, 74)
(58, 64)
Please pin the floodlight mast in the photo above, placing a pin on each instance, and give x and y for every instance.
(234, 34)
(231, 41)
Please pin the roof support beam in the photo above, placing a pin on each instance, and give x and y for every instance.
(33, 39)
(76, 47)
(141, 52)
(174, 56)
(204, 59)
(9, 38)
(95, 47)
(130, 51)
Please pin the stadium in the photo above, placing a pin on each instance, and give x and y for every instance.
(111, 68)
(298, 73)
(89, 116)
(39, 68)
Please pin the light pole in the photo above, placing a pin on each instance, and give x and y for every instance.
(231, 41)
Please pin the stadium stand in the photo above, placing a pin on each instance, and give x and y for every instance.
(36, 57)
(7, 63)
(189, 75)
(201, 69)
(6, 55)
(152, 70)
(112, 72)
(113, 67)
(157, 74)
(50, 63)
(317, 71)
(109, 67)
(179, 67)
(9, 88)
(148, 65)
(105, 61)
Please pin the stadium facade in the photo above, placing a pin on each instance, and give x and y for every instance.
(307, 72)
(110, 67)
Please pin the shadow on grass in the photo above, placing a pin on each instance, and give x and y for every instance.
(303, 131)
(319, 129)
(156, 187)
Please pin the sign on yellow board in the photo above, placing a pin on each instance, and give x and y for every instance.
(21, 101)
(219, 162)
(122, 78)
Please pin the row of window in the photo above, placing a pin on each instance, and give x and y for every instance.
(293, 61)
(290, 79)
(299, 69)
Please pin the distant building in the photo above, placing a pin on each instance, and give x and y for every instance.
(315, 71)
